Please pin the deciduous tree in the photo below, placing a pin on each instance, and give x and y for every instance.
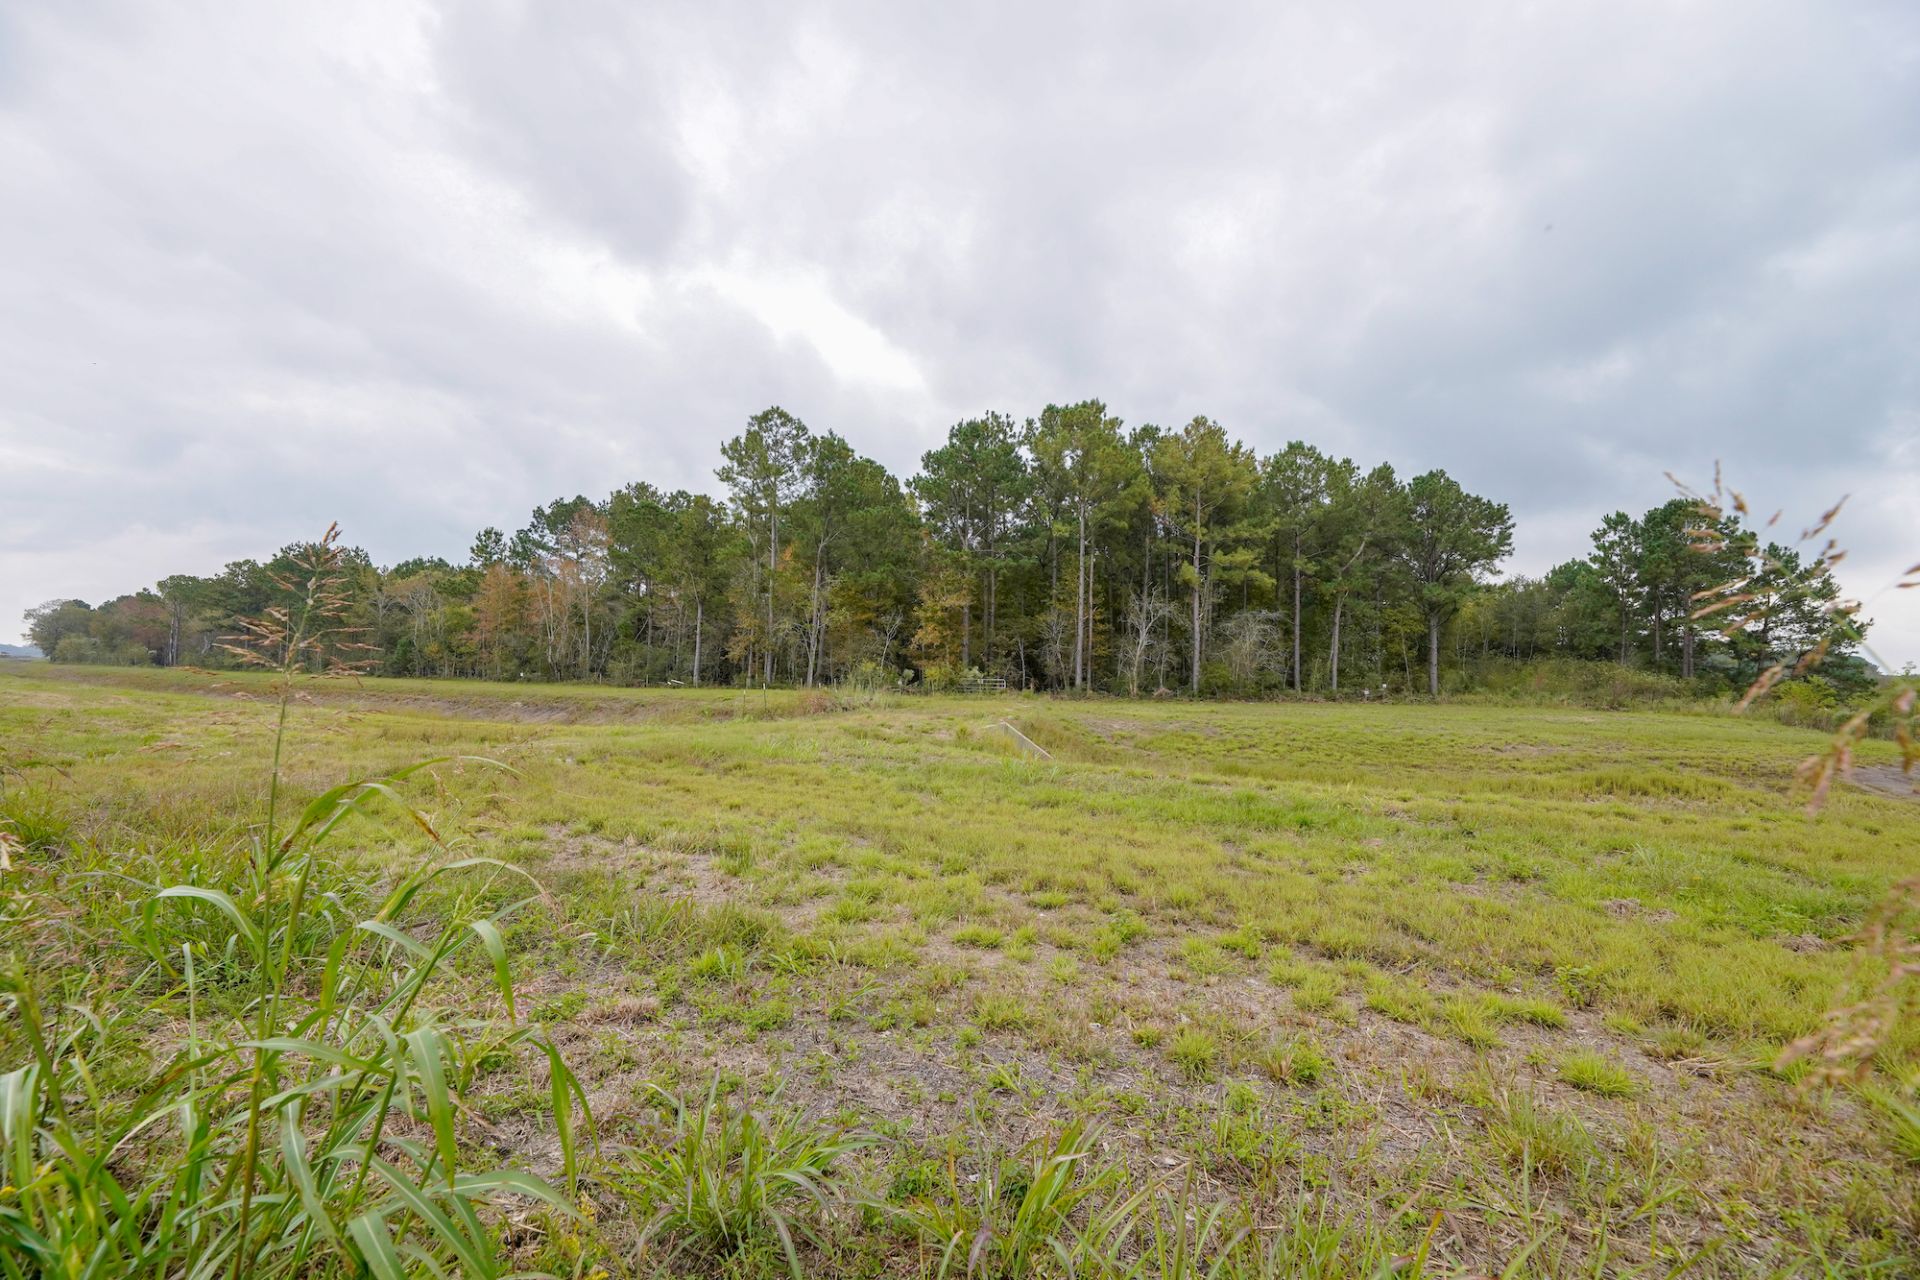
(1453, 539)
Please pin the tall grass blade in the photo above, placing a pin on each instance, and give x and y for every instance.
(496, 947)
(369, 1231)
(228, 907)
(425, 1048)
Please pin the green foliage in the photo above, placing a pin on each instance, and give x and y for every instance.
(1206, 483)
(1454, 538)
(1068, 553)
(305, 1122)
(978, 935)
(31, 817)
(1573, 682)
(717, 964)
(1001, 1011)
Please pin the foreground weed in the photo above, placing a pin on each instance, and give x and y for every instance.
(1163, 1234)
(1180, 1238)
(1311, 1239)
(278, 1139)
(1004, 1077)
(32, 821)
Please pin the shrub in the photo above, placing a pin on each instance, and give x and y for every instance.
(1805, 704)
(95, 652)
(1582, 683)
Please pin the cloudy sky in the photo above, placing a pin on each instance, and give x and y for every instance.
(418, 268)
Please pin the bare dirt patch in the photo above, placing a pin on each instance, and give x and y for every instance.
(1887, 779)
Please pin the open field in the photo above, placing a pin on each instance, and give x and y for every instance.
(1347, 967)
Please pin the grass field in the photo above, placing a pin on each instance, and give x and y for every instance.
(1496, 987)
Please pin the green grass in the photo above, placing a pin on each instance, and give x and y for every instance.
(953, 947)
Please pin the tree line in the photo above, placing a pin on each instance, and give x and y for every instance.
(1062, 552)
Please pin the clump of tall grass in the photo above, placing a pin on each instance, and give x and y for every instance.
(1901, 1121)
(729, 1177)
(1065, 1209)
(1195, 1053)
(1595, 1073)
(1169, 1237)
(30, 822)
(241, 1073)
(1014, 1218)
(1529, 1135)
(1298, 1060)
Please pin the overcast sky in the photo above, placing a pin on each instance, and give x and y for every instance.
(418, 268)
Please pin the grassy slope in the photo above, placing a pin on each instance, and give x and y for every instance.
(1543, 953)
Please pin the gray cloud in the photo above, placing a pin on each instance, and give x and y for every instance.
(419, 268)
